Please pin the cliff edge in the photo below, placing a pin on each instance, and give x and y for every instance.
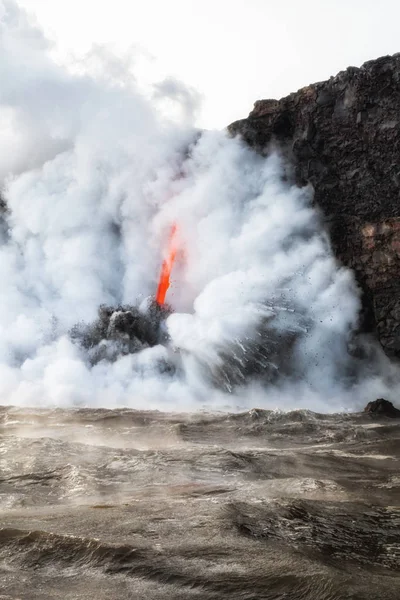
(343, 137)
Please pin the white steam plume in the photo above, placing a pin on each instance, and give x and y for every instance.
(94, 177)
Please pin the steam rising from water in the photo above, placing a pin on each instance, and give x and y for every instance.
(94, 176)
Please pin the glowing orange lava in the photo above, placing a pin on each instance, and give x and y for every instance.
(168, 263)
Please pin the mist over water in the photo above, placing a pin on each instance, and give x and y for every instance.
(94, 174)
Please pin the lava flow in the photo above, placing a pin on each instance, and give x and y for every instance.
(168, 263)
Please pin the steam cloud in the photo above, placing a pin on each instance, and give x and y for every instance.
(94, 175)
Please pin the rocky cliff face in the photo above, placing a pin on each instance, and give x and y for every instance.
(343, 137)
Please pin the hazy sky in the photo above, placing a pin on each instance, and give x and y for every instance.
(232, 51)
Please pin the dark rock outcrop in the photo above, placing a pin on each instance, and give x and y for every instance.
(343, 137)
(121, 330)
(383, 408)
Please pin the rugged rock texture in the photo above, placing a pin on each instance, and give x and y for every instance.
(382, 407)
(121, 330)
(343, 136)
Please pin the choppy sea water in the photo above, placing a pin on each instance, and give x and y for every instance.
(150, 505)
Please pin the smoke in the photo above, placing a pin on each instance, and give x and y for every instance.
(94, 176)
(172, 92)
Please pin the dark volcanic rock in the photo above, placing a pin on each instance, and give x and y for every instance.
(382, 407)
(121, 330)
(343, 137)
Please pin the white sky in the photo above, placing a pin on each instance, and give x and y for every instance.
(232, 51)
